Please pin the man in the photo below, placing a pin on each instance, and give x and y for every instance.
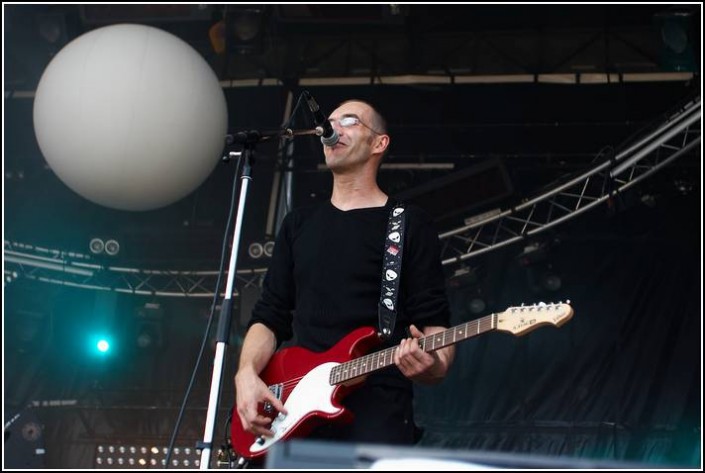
(324, 281)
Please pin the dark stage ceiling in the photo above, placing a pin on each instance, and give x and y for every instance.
(532, 92)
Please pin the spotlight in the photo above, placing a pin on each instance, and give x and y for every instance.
(149, 328)
(149, 335)
(269, 249)
(551, 282)
(112, 247)
(103, 346)
(244, 29)
(52, 28)
(145, 339)
(96, 246)
(677, 52)
(683, 186)
(256, 250)
(476, 305)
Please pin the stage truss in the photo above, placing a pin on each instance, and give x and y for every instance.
(610, 175)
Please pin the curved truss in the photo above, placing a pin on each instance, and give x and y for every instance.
(495, 229)
(78, 270)
(674, 137)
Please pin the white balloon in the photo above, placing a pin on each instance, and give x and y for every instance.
(130, 117)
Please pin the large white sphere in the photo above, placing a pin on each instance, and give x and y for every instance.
(130, 117)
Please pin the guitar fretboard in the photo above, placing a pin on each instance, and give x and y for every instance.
(381, 359)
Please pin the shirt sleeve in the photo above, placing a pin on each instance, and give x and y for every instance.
(274, 307)
(425, 301)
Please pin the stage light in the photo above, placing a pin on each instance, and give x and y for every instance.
(684, 186)
(96, 246)
(244, 29)
(148, 330)
(144, 340)
(256, 250)
(269, 249)
(141, 457)
(52, 28)
(103, 345)
(112, 247)
(551, 281)
(477, 305)
(676, 44)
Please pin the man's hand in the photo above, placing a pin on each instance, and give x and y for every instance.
(251, 391)
(416, 364)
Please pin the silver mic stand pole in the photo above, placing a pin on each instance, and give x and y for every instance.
(248, 139)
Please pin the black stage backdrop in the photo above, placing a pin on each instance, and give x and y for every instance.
(621, 380)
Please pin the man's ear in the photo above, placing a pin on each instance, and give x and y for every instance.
(381, 143)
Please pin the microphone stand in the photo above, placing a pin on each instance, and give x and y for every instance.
(248, 140)
(252, 137)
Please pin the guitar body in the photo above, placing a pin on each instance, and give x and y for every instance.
(300, 378)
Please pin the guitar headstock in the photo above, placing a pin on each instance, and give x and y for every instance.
(525, 318)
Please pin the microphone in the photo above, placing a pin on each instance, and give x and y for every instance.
(329, 137)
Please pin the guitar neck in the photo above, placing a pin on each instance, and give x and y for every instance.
(381, 359)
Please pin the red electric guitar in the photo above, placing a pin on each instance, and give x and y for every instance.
(311, 385)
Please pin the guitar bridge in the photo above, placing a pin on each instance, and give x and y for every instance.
(277, 390)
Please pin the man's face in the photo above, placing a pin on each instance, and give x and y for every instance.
(356, 143)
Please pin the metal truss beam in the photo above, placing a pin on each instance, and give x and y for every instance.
(78, 270)
(676, 136)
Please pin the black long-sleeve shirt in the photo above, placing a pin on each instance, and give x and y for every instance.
(325, 277)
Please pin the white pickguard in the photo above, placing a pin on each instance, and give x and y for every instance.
(313, 393)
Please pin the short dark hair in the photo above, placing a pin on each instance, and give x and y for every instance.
(379, 124)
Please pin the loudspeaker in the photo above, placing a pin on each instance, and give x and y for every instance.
(311, 454)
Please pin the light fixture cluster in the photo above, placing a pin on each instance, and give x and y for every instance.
(258, 250)
(143, 457)
(9, 277)
(110, 247)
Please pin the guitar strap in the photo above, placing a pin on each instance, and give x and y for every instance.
(391, 270)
